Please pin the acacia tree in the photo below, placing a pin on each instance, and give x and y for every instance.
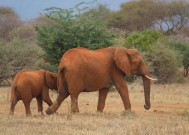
(134, 15)
(100, 12)
(167, 16)
(172, 16)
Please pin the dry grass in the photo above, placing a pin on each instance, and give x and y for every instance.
(169, 114)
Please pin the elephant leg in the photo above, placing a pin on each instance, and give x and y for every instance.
(53, 108)
(46, 98)
(40, 104)
(12, 107)
(48, 101)
(101, 99)
(74, 103)
(27, 106)
(122, 88)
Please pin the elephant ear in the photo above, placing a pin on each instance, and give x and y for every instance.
(51, 80)
(121, 59)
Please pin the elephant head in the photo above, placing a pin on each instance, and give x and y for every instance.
(130, 62)
(51, 80)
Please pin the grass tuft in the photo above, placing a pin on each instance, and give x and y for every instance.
(128, 113)
(185, 114)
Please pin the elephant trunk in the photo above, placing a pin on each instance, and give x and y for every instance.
(146, 83)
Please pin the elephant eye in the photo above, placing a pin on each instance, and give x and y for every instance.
(139, 63)
(132, 56)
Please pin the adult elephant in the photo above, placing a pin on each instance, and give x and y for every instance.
(32, 83)
(83, 70)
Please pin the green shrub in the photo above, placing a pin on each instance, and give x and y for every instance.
(47, 66)
(163, 62)
(179, 45)
(183, 47)
(186, 58)
(143, 40)
(70, 31)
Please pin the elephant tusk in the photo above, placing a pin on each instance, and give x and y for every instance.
(150, 78)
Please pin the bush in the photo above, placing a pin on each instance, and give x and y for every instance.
(25, 32)
(16, 55)
(70, 31)
(47, 66)
(186, 58)
(143, 40)
(163, 61)
(183, 47)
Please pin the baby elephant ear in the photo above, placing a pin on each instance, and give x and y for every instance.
(122, 61)
(51, 80)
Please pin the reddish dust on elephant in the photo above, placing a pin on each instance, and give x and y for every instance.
(30, 84)
(83, 70)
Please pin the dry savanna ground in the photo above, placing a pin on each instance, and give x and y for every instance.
(169, 114)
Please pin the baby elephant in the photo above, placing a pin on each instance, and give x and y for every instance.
(30, 84)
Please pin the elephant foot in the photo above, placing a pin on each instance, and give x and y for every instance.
(41, 112)
(28, 115)
(128, 109)
(147, 107)
(74, 111)
(100, 111)
(11, 113)
(49, 111)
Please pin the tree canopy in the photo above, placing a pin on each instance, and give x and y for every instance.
(167, 16)
(70, 30)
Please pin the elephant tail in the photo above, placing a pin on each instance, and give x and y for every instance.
(62, 85)
(13, 94)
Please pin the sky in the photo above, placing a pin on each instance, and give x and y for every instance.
(31, 9)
